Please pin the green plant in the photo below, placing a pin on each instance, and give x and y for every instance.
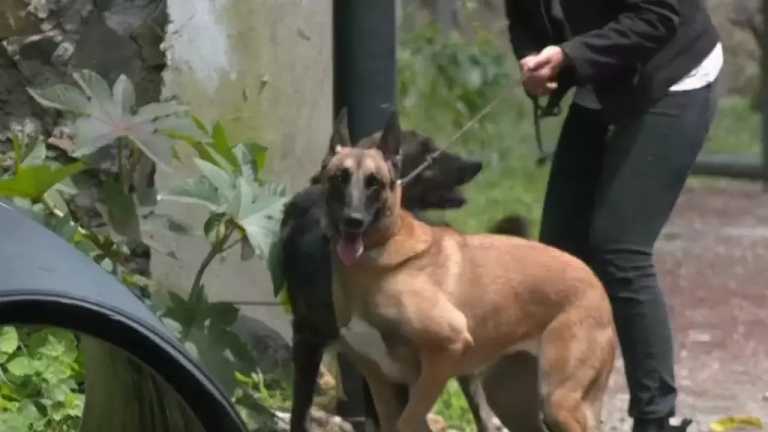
(240, 202)
(113, 136)
(31, 175)
(254, 393)
(41, 378)
(107, 116)
(444, 80)
(113, 140)
(244, 211)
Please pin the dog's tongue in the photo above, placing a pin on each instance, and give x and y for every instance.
(349, 248)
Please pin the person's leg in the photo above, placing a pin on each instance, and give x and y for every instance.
(573, 179)
(646, 163)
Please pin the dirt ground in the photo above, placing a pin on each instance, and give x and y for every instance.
(713, 264)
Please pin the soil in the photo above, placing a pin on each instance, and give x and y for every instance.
(712, 260)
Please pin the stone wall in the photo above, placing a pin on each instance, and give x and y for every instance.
(263, 67)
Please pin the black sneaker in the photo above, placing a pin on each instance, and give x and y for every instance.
(660, 425)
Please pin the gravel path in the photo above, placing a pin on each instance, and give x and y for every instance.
(713, 263)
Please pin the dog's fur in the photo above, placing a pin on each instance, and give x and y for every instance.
(418, 305)
(307, 263)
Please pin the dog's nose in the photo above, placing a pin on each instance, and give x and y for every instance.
(353, 222)
(472, 169)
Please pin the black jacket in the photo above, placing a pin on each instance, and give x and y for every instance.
(630, 51)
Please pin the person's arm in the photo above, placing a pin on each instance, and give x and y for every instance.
(520, 34)
(640, 30)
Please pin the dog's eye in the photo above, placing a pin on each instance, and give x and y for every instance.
(341, 177)
(372, 182)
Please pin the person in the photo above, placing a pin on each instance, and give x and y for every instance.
(643, 72)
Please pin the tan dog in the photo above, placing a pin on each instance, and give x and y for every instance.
(418, 305)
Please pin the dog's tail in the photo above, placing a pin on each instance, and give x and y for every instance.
(514, 224)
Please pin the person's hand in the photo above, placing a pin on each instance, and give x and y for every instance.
(540, 70)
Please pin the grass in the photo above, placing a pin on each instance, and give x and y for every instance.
(736, 128)
(452, 407)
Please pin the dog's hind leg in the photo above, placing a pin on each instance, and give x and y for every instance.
(387, 398)
(307, 355)
(596, 392)
(485, 418)
(574, 365)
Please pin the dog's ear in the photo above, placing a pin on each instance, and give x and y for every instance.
(340, 136)
(391, 138)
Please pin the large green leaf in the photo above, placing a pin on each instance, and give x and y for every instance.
(35, 155)
(9, 340)
(222, 314)
(213, 226)
(251, 157)
(107, 114)
(240, 202)
(28, 153)
(275, 266)
(238, 196)
(158, 110)
(224, 182)
(56, 343)
(261, 218)
(21, 366)
(258, 155)
(197, 190)
(15, 422)
(222, 146)
(91, 134)
(92, 84)
(33, 181)
(284, 298)
(156, 146)
(61, 97)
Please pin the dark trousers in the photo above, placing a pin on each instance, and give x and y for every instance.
(610, 192)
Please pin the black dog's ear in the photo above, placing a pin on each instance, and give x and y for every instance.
(340, 136)
(391, 138)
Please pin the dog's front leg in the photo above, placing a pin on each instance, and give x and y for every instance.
(432, 379)
(307, 355)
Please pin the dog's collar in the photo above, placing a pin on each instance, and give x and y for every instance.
(411, 240)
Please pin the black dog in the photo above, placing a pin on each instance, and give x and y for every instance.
(307, 259)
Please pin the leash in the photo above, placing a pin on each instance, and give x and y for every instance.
(432, 156)
(540, 112)
(551, 109)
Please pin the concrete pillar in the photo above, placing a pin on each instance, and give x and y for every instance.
(265, 68)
